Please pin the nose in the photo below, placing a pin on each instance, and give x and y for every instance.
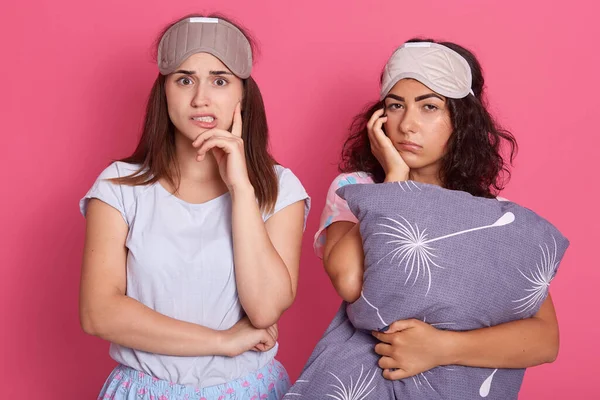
(410, 121)
(201, 96)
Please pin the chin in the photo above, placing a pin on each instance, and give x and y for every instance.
(188, 135)
(414, 162)
(411, 159)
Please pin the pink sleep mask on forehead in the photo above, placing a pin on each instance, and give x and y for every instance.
(438, 67)
(205, 35)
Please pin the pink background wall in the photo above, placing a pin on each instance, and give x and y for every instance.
(75, 76)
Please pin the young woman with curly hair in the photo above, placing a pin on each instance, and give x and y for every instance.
(416, 133)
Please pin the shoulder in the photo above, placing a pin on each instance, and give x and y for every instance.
(119, 196)
(290, 190)
(286, 176)
(349, 178)
(288, 181)
(118, 169)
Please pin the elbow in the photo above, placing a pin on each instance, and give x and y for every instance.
(263, 317)
(551, 353)
(99, 316)
(93, 322)
(262, 322)
(346, 280)
(348, 286)
(552, 357)
(551, 344)
(89, 324)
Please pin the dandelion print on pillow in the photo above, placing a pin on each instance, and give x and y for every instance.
(455, 261)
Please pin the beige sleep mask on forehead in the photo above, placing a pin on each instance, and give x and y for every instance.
(438, 67)
(205, 35)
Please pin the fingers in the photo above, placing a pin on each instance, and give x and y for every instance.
(211, 136)
(384, 349)
(395, 375)
(227, 144)
(271, 332)
(204, 136)
(274, 332)
(376, 115)
(268, 342)
(236, 129)
(377, 128)
(265, 341)
(383, 337)
(401, 325)
(377, 137)
(387, 363)
(261, 347)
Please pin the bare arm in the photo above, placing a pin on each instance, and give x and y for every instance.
(517, 344)
(343, 255)
(266, 255)
(105, 311)
(343, 259)
(410, 347)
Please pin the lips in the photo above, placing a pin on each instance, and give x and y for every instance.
(409, 146)
(206, 121)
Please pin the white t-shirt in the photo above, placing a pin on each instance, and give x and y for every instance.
(180, 264)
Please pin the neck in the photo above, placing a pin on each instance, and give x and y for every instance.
(429, 174)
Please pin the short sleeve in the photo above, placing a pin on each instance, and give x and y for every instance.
(290, 192)
(336, 209)
(113, 194)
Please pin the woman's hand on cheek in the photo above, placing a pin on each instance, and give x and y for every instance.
(228, 150)
(410, 347)
(384, 151)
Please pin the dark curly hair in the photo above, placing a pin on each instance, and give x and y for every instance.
(473, 161)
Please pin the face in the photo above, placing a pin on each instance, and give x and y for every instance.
(202, 95)
(418, 124)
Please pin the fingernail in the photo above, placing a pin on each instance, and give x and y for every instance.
(384, 329)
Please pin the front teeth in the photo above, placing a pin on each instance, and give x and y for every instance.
(204, 119)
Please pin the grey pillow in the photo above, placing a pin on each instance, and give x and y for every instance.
(455, 261)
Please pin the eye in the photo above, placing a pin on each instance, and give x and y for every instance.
(431, 107)
(185, 81)
(394, 106)
(221, 82)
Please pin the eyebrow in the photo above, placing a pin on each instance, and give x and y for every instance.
(186, 72)
(393, 96)
(428, 95)
(418, 98)
(220, 73)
